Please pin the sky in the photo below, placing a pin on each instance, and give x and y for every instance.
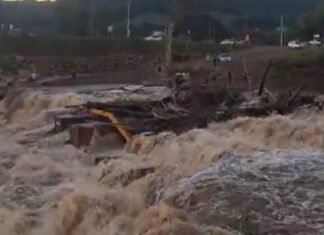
(23, 0)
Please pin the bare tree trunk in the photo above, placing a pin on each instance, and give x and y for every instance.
(247, 75)
(92, 16)
(264, 78)
(128, 30)
(168, 53)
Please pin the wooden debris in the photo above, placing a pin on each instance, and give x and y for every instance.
(265, 75)
(229, 79)
(193, 105)
(62, 122)
(247, 75)
(295, 96)
(81, 135)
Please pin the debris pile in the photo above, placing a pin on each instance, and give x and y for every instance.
(125, 119)
(225, 103)
(189, 106)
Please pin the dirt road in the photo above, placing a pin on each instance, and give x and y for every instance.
(256, 60)
(138, 76)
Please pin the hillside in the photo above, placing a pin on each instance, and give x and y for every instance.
(71, 17)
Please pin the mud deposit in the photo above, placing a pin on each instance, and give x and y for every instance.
(245, 176)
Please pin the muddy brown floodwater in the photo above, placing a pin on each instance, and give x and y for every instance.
(244, 176)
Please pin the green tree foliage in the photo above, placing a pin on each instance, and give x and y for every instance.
(202, 26)
(312, 23)
(91, 17)
(306, 25)
(73, 16)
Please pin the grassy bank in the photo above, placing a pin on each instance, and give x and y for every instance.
(313, 57)
(302, 68)
(95, 47)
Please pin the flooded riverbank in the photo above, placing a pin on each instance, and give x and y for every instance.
(262, 175)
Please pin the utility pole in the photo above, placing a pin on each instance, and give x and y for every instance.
(188, 38)
(168, 52)
(246, 24)
(92, 16)
(129, 5)
(281, 30)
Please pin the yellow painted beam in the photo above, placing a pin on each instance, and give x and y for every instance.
(122, 131)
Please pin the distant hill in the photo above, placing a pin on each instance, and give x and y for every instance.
(230, 16)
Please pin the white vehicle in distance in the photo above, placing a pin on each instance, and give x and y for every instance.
(227, 42)
(296, 44)
(154, 38)
(315, 42)
(224, 57)
(157, 36)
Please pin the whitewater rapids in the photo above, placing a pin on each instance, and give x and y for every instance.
(269, 170)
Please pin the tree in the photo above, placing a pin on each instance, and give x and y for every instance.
(175, 11)
(77, 17)
(202, 26)
(306, 25)
(312, 23)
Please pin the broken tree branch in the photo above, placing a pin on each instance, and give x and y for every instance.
(296, 94)
(169, 52)
(264, 78)
(247, 75)
(229, 80)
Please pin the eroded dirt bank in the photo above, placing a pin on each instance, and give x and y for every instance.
(247, 175)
